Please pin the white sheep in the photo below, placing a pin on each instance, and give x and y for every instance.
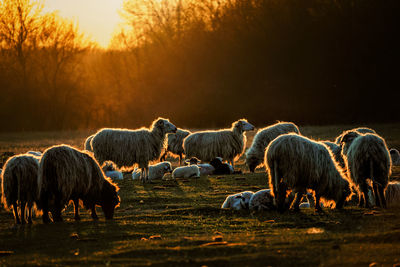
(156, 171)
(239, 201)
(255, 154)
(226, 143)
(298, 163)
(367, 158)
(88, 143)
(186, 172)
(175, 144)
(205, 168)
(111, 171)
(395, 156)
(128, 147)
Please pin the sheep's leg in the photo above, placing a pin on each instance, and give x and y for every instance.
(23, 205)
(57, 209)
(297, 199)
(76, 210)
(180, 159)
(146, 171)
(360, 199)
(45, 207)
(164, 156)
(364, 189)
(232, 163)
(382, 196)
(281, 196)
(16, 216)
(317, 203)
(376, 194)
(94, 214)
(30, 214)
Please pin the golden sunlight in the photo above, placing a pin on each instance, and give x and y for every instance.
(98, 19)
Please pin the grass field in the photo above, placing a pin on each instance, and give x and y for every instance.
(181, 223)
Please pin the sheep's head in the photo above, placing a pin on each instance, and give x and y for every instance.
(109, 199)
(165, 125)
(216, 162)
(167, 167)
(252, 162)
(242, 125)
(347, 140)
(192, 161)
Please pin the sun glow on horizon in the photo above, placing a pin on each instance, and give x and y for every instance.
(97, 19)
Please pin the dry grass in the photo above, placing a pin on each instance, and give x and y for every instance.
(185, 214)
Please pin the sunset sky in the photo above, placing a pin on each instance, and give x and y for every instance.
(97, 18)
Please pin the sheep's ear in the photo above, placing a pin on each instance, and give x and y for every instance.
(187, 162)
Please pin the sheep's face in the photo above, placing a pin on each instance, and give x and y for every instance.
(167, 126)
(109, 199)
(192, 161)
(167, 168)
(246, 126)
(252, 163)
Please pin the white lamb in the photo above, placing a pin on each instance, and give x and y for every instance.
(186, 172)
(156, 171)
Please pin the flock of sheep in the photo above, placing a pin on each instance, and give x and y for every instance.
(358, 161)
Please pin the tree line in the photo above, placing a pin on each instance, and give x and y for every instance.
(202, 64)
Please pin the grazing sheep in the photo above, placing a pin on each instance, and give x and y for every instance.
(205, 168)
(35, 153)
(156, 171)
(367, 157)
(239, 201)
(220, 167)
(65, 174)
(186, 172)
(19, 185)
(395, 156)
(255, 154)
(227, 143)
(361, 130)
(298, 163)
(110, 170)
(128, 147)
(337, 153)
(88, 143)
(175, 144)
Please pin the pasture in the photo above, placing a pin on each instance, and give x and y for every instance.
(180, 222)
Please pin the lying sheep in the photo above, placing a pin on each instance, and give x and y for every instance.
(367, 157)
(65, 174)
(156, 171)
(19, 185)
(88, 143)
(129, 147)
(255, 154)
(361, 130)
(186, 172)
(262, 200)
(111, 171)
(220, 167)
(239, 201)
(205, 168)
(175, 144)
(395, 156)
(298, 163)
(227, 143)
